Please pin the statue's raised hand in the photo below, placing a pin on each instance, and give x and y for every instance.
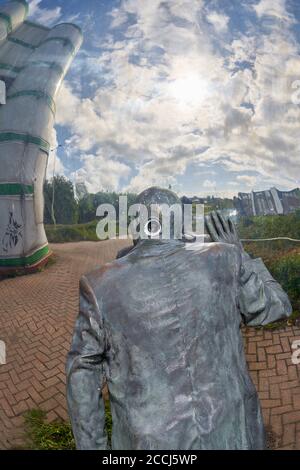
(222, 229)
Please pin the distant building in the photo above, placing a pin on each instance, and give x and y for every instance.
(268, 202)
(186, 200)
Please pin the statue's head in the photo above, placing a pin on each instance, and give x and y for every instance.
(156, 195)
(163, 207)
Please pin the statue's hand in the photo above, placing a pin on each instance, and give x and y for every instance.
(222, 229)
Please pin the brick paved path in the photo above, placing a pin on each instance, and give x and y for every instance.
(37, 314)
(277, 381)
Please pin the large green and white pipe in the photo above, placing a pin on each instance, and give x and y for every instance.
(12, 15)
(34, 76)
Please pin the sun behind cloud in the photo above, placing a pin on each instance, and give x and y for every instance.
(190, 90)
(167, 88)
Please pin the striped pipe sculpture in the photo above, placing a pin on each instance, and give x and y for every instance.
(33, 62)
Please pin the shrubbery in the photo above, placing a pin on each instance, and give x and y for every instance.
(72, 233)
(281, 257)
(41, 435)
(286, 269)
(270, 226)
(57, 435)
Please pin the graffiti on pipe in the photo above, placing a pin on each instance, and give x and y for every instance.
(13, 233)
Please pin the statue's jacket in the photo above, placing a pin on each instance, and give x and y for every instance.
(161, 326)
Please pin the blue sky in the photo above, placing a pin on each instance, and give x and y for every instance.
(193, 93)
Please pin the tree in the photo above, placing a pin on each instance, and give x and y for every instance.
(65, 205)
(87, 209)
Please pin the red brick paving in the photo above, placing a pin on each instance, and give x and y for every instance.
(37, 315)
(277, 380)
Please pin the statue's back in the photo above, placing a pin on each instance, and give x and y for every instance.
(175, 365)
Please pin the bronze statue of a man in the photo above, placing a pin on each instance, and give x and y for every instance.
(161, 326)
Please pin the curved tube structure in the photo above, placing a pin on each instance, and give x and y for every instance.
(33, 62)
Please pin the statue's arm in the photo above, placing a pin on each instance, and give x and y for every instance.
(85, 376)
(261, 299)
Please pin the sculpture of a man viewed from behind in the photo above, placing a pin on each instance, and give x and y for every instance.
(161, 326)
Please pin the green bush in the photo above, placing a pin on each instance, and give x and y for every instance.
(65, 205)
(286, 269)
(282, 257)
(57, 435)
(47, 436)
(270, 226)
(72, 233)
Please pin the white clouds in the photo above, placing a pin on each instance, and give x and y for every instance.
(209, 184)
(220, 22)
(247, 180)
(170, 97)
(46, 16)
(118, 18)
(98, 172)
(272, 8)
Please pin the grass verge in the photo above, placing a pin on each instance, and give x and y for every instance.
(40, 435)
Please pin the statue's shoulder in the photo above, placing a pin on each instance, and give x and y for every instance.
(212, 249)
(98, 275)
